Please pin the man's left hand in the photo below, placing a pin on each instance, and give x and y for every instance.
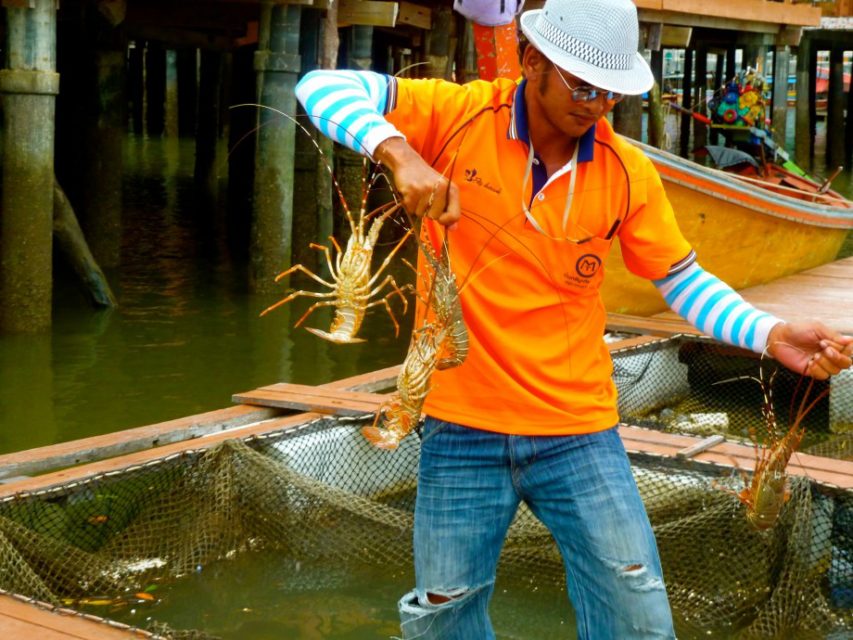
(810, 348)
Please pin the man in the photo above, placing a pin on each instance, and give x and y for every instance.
(533, 187)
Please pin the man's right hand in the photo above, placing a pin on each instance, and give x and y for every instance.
(424, 190)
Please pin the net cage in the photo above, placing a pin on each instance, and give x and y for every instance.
(320, 491)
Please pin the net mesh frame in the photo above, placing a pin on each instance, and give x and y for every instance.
(320, 491)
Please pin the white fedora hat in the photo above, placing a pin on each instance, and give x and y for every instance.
(594, 40)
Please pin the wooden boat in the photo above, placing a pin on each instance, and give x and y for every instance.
(745, 230)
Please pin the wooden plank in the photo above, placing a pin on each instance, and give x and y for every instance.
(415, 15)
(315, 399)
(68, 454)
(368, 12)
(20, 619)
(749, 10)
(659, 325)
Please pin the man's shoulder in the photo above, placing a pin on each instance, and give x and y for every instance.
(474, 93)
(631, 155)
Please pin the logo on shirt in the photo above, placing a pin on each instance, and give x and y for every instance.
(472, 177)
(587, 265)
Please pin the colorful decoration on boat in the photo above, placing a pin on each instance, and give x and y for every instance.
(741, 103)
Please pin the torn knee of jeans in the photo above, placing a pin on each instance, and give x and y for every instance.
(638, 576)
(431, 599)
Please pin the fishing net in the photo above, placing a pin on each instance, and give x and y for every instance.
(320, 492)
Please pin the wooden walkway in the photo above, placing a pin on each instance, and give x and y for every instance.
(823, 293)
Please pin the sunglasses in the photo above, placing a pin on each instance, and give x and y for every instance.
(588, 93)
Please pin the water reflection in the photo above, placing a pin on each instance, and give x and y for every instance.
(187, 333)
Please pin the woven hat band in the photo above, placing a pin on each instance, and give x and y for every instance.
(582, 50)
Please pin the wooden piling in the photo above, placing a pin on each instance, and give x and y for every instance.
(104, 121)
(71, 241)
(242, 140)
(656, 120)
(155, 89)
(28, 85)
(719, 78)
(779, 113)
(700, 130)
(207, 128)
(277, 63)
(329, 48)
(802, 108)
(835, 109)
(187, 69)
(136, 86)
(687, 103)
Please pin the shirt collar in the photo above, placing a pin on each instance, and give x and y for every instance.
(518, 129)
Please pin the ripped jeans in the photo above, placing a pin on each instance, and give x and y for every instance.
(470, 485)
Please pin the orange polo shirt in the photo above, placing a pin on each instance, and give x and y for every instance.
(537, 361)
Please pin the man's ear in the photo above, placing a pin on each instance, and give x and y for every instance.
(533, 62)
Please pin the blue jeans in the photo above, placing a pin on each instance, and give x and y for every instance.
(471, 482)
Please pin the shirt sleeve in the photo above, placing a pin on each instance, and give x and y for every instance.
(652, 244)
(348, 106)
(713, 307)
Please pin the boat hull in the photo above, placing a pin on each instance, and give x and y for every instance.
(741, 233)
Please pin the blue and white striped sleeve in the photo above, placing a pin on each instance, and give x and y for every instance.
(713, 307)
(348, 106)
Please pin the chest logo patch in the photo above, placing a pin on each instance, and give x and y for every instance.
(587, 265)
(472, 177)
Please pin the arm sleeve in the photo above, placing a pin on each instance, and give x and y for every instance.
(348, 107)
(713, 307)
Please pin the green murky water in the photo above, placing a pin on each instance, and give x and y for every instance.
(186, 337)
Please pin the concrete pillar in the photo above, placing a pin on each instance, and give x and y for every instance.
(28, 85)
(779, 114)
(277, 63)
(805, 88)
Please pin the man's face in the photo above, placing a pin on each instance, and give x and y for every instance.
(552, 96)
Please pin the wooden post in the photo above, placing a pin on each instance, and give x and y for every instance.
(155, 89)
(28, 86)
(438, 43)
(656, 120)
(731, 63)
(848, 137)
(329, 48)
(835, 109)
(136, 85)
(187, 64)
(779, 114)
(277, 63)
(700, 131)
(207, 129)
(812, 97)
(170, 118)
(718, 83)
(105, 125)
(71, 241)
(687, 103)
